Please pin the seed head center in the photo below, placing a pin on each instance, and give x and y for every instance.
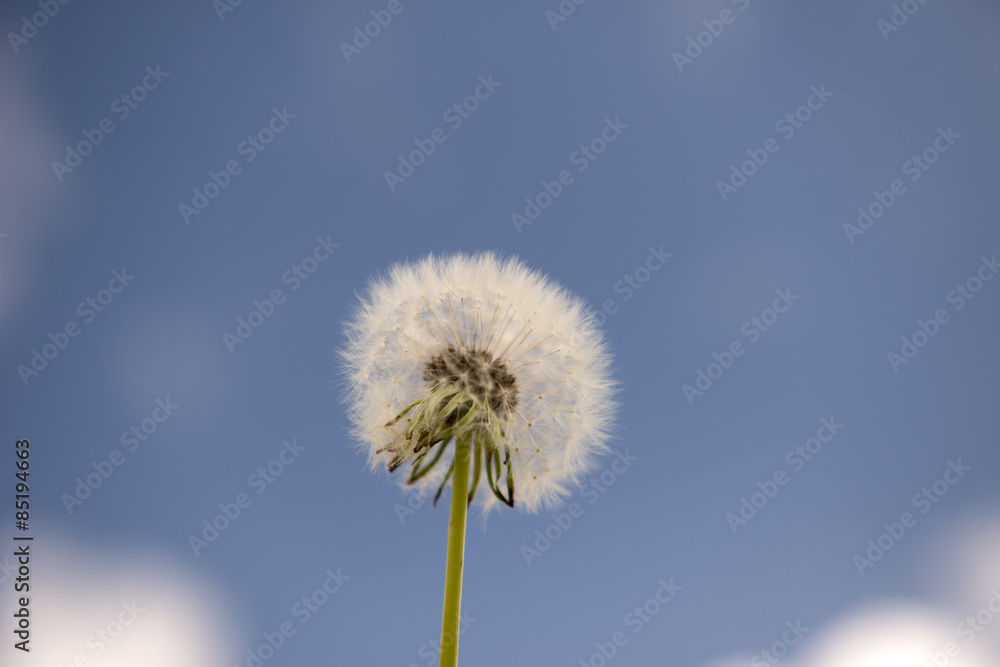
(476, 372)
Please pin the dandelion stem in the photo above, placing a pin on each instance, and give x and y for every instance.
(456, 552)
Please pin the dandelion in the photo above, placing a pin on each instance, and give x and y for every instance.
(489, 355)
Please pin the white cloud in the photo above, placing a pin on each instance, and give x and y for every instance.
(920, 633)
(118, 609)
(892, 634)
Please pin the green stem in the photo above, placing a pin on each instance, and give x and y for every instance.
(456, 553)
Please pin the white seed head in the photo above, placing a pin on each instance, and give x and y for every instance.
(477, 344)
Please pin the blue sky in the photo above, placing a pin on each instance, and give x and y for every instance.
(739, 137)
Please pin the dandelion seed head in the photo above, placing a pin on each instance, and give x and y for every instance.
(485, 345)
